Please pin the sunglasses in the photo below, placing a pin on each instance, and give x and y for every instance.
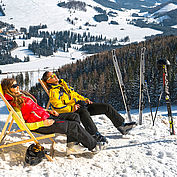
(51, 77)
(14, 86)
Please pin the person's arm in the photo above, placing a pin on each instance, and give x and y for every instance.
(31, 126)
(53, 112)
(36, 125)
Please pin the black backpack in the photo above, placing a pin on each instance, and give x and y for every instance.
(34, 154)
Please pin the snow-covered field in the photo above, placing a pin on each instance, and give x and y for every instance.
(24, 13)
(37, 66)
(146, 152)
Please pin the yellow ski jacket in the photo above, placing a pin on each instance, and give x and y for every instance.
(63, 97)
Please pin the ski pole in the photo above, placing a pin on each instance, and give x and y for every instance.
(153, 121)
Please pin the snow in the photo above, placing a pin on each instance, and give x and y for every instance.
(24, 13)
(151, 18)
(37, 66)
(167, 8)
(175, 26)
(146, 151)
(113, 1)
(160, 19)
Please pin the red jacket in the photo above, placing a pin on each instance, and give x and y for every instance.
(31, 111)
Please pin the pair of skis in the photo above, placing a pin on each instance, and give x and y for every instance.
(143, 87)
(121, 84)
(142, 84)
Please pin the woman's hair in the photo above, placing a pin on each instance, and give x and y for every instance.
(6, 85)
(45, 77)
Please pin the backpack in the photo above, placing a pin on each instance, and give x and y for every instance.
(34, 154)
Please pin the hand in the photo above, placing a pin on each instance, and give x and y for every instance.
(88, 101)
(48, 122)
(76, 107)
(53, 112)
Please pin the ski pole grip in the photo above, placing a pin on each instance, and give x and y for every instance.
(161, 62)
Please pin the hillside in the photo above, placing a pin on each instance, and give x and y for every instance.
(95, 76)
(91, 17)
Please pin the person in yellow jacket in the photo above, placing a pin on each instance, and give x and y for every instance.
(64, 99)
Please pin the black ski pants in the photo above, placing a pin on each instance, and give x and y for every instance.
(69, 124)
(86, 112)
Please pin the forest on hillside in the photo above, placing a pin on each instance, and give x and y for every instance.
(96, 79)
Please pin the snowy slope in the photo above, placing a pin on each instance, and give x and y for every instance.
(167, 8)
(160, 12)
(146, 152)
(24, 13)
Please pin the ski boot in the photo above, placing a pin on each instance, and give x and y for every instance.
(100, 138)
(126, 127)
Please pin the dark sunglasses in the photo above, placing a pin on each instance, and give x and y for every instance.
(14, 86)
(52, 76)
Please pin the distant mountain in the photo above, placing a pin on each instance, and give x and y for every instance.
(130, 4)
(156, 14)
(161, 17)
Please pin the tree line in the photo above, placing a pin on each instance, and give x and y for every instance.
(96, 79)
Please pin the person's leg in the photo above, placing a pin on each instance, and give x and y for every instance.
(90, 125)
(108, 110)
(69, 116)
(112, 114)
(74, 131)
(87, 121)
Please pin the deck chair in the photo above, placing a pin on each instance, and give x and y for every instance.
(16, 116)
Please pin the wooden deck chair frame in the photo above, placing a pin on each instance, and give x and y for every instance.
(13, 116)
(46, 90)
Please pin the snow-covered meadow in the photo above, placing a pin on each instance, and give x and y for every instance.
(22, 13)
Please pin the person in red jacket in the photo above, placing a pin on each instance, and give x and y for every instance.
(48, 121)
